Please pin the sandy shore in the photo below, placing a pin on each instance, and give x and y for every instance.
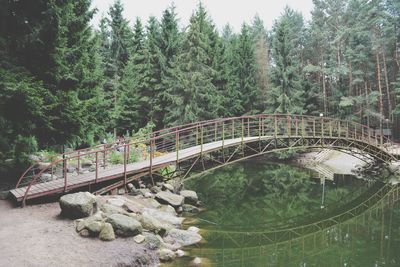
(37, 236)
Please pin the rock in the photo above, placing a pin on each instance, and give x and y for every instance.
(111, 209)
(94, 227)
(155, 189)
(77, 205)
(124, 225)
(153, 224)
(165, 254)
(148, 195)
(86, 163)
(168, 187)
(132, 207)
(4, 195)
(182, 237)
(107, 232)
(98, 216)
(190, 196)
(71, 169)
(47, 177)
(143, 191)
(92, 169)
(190, 208)
(139, 239)
(168, 209)
(84, 233)
(34, 158)
(179, 210)
(121, 191)
(118, 202)
(179, 253)
(80, 225)
(130, 186)
(196, 261)
(193, 229)
(165, 217)
(153, 241)
(166, 197)
(42, 165)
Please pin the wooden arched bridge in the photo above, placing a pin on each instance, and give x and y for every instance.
(197, 147)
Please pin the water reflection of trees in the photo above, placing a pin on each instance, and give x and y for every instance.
(254, 194)
(371, 238)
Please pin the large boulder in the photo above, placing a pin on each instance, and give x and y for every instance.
(165, 217)
(77, 205)
(189, 196)
(182, 237)
(166, 197)
(124, 225)
(107, 232)
(111, 209)
(153, 224)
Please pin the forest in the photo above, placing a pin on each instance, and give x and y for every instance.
(67, 83)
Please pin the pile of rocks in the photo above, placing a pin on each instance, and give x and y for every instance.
(149, 216)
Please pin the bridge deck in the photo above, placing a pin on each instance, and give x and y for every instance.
(76, 181)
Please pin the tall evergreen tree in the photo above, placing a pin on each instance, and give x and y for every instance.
(191, 90)
(287, 95)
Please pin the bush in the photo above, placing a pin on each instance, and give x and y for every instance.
(116, 158)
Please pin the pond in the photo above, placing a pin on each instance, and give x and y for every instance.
(260, 213)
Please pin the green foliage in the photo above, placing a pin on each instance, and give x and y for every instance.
(116, 157)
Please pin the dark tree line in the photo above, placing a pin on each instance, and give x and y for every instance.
(65, 83)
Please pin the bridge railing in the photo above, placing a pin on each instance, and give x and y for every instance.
(101, 160)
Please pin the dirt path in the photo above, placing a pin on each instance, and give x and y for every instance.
(36, 236)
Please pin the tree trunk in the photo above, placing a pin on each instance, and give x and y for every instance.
(387, 87)
(378, 77)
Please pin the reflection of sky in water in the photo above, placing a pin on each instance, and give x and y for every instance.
(261, 197)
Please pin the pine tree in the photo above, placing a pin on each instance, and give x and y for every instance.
(287, 95)
(191, 89)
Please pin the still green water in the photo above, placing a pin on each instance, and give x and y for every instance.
(270, 214)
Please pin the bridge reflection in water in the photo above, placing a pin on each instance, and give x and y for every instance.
(360, 236)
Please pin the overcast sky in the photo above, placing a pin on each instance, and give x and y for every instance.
(221, 11)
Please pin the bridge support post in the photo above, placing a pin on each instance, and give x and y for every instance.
(65, 174)
(104, 156)
(97, 167)
(125, 159)
(79, 162)
(151, 159)
(177, 145)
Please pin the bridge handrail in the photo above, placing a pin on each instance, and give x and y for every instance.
(180, 131)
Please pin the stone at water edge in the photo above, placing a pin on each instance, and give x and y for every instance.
(139, 239)
(196, 261)
(107, 232)
(193, 229)
(179, 253)
(169, 198)
(168, 209)
(190, 208)
(165, 254)
(190, 196)
(77, 205)
(182, 237)
(124, 225)
(165, 217)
